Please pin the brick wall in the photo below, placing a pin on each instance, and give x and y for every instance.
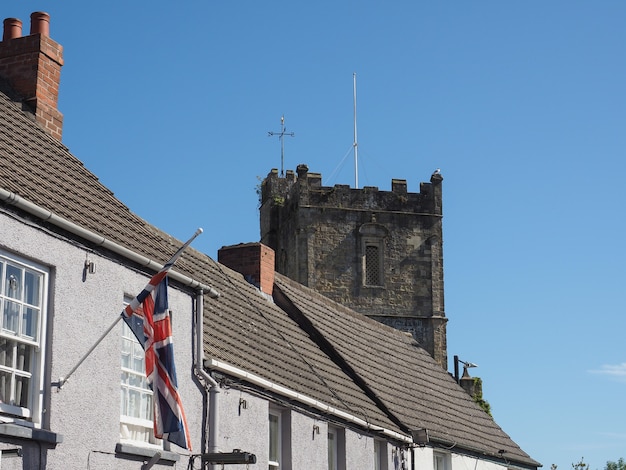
(254, 261)
(32, 67)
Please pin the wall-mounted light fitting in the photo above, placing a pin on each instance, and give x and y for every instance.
(90, 267)
(420, 436)
(243, 405)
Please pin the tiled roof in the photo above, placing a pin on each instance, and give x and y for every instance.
(376, 373)
(247, 330)
(242, 328)
(40, 169)
(402, 375)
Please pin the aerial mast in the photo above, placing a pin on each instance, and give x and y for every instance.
(355, 144)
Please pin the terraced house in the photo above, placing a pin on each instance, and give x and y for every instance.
(272, 374)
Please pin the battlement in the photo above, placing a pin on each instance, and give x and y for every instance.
(304, 188)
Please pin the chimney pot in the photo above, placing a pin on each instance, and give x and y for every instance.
(40, 23)
(12, 29)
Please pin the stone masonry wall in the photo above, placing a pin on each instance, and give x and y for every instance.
(319, 234)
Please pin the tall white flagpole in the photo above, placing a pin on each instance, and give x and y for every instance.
(355, 144)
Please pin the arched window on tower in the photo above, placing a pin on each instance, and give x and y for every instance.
(372, 241)
(372, 266)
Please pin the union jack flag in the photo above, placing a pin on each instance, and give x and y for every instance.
(152, 327)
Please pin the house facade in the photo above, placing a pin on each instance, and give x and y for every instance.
(272, 374)
(60, 313)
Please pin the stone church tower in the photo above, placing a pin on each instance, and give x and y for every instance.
(377, 252)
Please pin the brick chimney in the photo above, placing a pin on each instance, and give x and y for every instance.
(32, 67)
(254, 260)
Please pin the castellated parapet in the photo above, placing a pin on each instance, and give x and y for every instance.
(377, 252)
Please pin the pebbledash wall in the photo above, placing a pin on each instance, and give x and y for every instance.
(377, 252)
(246, 428)
(424, 457)
(308, 436)
(85, 412)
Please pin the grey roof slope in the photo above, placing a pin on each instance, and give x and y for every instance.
(246, 330)
(40, 169)
(242, 328)
(400, 373)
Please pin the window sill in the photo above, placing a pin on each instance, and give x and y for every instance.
(146, 452)
(21, 432)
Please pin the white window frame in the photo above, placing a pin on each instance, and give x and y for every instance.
(380, 455)
(275, 438)
(333, 448)
(133, 380)
(441, 461)
(22, 302)
(336, 448)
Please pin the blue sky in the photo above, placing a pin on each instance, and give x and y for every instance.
(521, 104)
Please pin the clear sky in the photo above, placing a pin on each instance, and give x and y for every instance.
(521, 104)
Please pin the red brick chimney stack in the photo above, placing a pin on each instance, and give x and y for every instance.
(32, 67)
(254, 260)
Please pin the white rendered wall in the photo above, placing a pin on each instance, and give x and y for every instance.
(310, 449)
(247, 429)
(424, 460)
(86, 411)
(463, 462)
(359, 451)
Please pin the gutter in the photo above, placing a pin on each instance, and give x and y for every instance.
(305, 399)
(47, 216)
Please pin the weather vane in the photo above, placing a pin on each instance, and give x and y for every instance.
(281, 135)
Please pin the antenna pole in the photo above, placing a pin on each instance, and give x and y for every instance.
(355, 144)
(281, 136)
